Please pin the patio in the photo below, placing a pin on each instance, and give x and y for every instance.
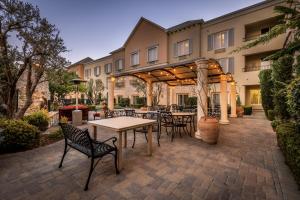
(246, 163)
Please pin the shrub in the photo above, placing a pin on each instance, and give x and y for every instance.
(238, 101)
(275, 123)
(17, 135)
(39, 119)
(248, 110)
(91, 107)
(271, 115)
(289, 142)
(192, 101)
(63, 119)
(266, 90)
(141, 100)
(56, 135)
(282, 71)
(124, 102)
(293, 98)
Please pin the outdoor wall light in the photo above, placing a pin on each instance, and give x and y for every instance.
(112, 79)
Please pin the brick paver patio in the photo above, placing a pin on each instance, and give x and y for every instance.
(246, 164)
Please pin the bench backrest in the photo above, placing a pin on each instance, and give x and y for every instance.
(76, 136)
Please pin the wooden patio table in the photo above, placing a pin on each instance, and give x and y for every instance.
(121, 125)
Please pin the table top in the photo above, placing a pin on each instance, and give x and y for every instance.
(122, 123)
(183, 114)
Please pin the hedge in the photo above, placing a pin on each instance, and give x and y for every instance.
(289, 142)
(248, 110)
(266, 90)
(17, 135)
(40, 119)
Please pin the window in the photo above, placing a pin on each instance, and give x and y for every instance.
(134, 58)
(221, 40)
(152, 54)
(87, 73)
(119, 65)
(255, 98)
(182, 99)
(216, 99)
(97, 71)
(227, 65)
(183, 48)
(108, 68)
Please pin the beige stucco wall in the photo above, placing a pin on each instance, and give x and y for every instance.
(145, 36)
(238, 23)
(192, 33)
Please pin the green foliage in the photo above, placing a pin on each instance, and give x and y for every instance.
(248, 110)
(266, 90)
(56, 135)
(40, 119)
(91, 107)
(282, 70)
(297, 66)
(192, 101)
(60, 82)
(124, 102)
(17, 135)
(275, 123)
(141, 100)
(289, 142)
(271, 115)
(238, 101)
(63, 119)
(293, 98)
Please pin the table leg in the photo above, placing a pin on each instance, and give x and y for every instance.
(125, 139)
(150, 140)
(95, 132)
(120, 152)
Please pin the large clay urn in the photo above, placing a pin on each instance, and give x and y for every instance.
(240, 111)
(209, 129)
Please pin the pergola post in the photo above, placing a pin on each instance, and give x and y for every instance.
(171, 88)
(111, 93)
(223, 99)
(149, 93)
(201, 90)
(233, 99)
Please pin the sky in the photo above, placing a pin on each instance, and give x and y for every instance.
(94, 28)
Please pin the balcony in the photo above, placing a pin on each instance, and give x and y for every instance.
(256, 62)
(258, 29)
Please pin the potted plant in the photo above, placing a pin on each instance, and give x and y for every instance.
(208, 126)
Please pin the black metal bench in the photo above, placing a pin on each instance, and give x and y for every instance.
(81, 141)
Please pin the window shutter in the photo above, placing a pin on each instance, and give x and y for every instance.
(190, 46)
(95, 71)
(231, 65)
(175, 51)
(231, 37)
(210, 42)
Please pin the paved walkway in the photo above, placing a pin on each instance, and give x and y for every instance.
(245, 164)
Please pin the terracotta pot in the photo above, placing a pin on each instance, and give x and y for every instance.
(209, 130)
(240, 111)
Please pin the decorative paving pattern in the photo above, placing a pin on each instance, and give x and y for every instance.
(245, 164)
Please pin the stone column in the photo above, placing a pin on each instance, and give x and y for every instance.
(201, 90)
(111, 93)
(149, 93)
(223, 99)
(233, 99)
(171, 94)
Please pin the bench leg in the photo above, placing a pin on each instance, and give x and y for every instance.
(90, 173)
(62, 159)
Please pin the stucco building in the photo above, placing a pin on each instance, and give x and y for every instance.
(150, 46)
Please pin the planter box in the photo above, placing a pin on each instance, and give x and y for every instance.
(66, 111)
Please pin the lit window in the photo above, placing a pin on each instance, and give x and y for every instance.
(227, 64)
(135, 58)
(183, 48)
(152, 54)
(221, 40)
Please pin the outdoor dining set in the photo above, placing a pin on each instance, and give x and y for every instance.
(121, 121)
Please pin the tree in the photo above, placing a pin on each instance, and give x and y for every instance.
(60, 83)
(267, 90)
(140, 87)
(36, 48)
(290, 24)
(157, 93)
(94, 90)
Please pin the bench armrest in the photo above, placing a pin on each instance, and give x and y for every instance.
(114, 139)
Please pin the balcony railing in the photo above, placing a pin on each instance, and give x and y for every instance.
(262, 66)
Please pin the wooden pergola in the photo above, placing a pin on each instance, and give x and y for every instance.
(184, 74)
